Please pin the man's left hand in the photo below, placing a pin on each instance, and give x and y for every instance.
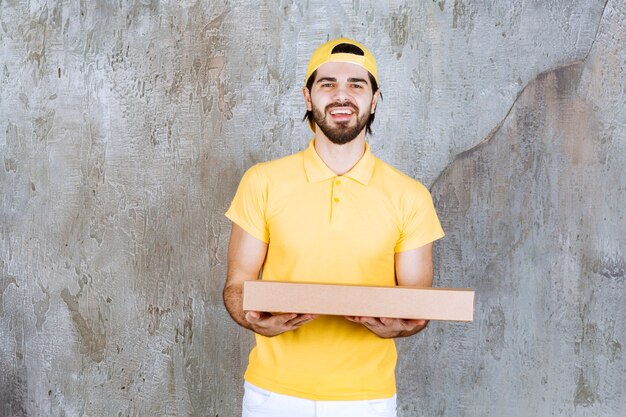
(388, 328)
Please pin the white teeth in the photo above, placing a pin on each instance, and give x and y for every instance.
(341, 111)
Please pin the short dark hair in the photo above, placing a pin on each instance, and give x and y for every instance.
(344, 48)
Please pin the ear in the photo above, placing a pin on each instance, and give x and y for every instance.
(307, 98)
(375, 100)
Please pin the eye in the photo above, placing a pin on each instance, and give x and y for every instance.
(327, 85)
(357, 86)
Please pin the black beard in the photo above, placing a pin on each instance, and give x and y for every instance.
(342, 133)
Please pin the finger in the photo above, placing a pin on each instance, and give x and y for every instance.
(282, 319)
(359, 319)
(416, 323)
(297, 322)
(252, 316)
(386, 321)
(309, 317)
(403, 324)
(371, 321)
(301, 319)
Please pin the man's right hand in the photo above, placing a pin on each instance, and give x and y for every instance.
(246, 255)
(269, 325)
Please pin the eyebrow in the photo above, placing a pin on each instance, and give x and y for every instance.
(334, 80)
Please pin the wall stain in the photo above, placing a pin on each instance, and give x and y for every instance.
(10, 165)
(186, 334)
(92, 338)
(399, 28)
(496, 324)
(584, 395)
(600, 341)
(41, 307)
(25, 101)
(610, 267)
(42, 125)
(155, 314)
(458, 10)
(6, 279)
(35, 37)
(211, 36)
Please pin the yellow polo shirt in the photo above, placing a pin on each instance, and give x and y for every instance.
(328, 228)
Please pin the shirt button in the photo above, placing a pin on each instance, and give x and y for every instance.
(336, 200)
(338, 182)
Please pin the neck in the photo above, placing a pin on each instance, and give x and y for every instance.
(340, 158)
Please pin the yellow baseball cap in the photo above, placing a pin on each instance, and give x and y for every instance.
(325, 54)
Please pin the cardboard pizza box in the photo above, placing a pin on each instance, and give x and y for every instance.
(351, 300)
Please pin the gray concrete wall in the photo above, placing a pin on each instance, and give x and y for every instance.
(127, 125)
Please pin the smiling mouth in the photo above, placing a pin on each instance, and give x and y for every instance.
(342, 111)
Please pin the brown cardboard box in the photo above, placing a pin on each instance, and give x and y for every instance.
(351, 300)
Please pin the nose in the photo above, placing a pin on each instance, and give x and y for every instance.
(341, 93)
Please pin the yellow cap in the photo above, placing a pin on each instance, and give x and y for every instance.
(324, 54)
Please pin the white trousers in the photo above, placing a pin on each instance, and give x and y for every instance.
(258, 402)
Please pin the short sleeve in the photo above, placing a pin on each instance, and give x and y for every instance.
(420, 224)
(248, 207)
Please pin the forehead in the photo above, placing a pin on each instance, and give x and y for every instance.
(342, 70)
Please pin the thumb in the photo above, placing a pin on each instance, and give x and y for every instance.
(252, 315)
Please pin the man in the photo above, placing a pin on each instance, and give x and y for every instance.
(333, 213)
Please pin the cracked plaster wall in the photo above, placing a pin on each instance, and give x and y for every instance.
(126, 128)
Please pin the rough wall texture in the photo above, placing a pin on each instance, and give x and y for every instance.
(127, 125)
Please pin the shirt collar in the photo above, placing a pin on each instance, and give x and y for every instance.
(316, 170)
